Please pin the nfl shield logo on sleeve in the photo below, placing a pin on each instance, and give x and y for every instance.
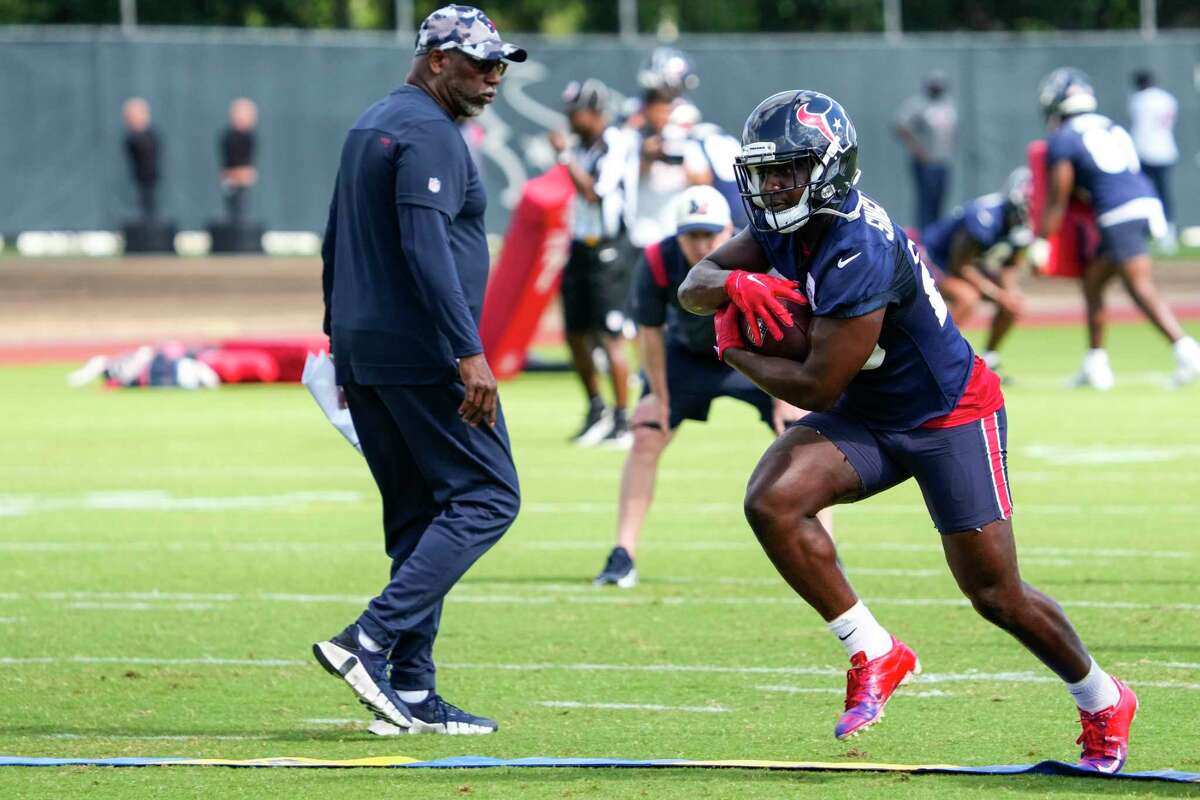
(435, 185)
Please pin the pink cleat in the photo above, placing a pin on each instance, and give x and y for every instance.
(870, 684)
(1105, 736)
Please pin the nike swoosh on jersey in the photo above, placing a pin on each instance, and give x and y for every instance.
(844, 261)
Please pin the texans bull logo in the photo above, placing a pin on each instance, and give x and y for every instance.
(820, 122)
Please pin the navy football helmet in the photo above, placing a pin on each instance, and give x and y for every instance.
(1018, 189)
(1066, 91)
(668, 70)
(805, 138)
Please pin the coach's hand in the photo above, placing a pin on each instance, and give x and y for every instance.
(755, 294)
(479, 405)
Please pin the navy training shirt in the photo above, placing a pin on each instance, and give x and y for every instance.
(1104, 159)
(405, 253)
(983, 219)
(921, 363)
(655, 301)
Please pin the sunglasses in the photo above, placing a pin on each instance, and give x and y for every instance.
(486, 66)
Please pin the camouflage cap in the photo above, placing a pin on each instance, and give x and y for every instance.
(468, 29)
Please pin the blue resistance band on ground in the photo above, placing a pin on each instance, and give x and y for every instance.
(479, 762)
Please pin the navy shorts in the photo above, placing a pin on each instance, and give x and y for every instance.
(695, 380)
(1125, 240)
(962, 471)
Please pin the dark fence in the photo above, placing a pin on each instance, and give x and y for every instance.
(61, 91)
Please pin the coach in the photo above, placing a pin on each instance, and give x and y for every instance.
(405, 265)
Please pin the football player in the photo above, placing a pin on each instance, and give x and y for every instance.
(896, 393)
(680, 377)
(1091, 156)
(974, 254)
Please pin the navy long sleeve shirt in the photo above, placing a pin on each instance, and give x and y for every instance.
(405, 253)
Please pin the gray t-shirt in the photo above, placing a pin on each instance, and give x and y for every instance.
(933, 123)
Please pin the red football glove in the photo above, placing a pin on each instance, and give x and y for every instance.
(755, 294)
(726, 322)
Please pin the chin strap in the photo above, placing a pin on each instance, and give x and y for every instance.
(852, 214)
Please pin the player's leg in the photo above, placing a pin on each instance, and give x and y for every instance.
(1004, 319)
(360, 655)
(825, 459)
(638, 479)
(975, 520)
(738, 386)
(1096, 370)
(618, 372)
(610, 290)
(470, 473)
(577, 323)
(961, 297)
(641, 470)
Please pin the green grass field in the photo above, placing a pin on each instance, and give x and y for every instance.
(148, 531)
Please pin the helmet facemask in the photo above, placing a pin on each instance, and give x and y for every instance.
(806, 172)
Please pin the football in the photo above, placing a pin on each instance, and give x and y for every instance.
(793, 345)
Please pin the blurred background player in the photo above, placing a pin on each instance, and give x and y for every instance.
(668, 162)
(719, 149)
(1152, 114)
(1090, 155)
(927, 124)
(976, 253)
(595, 280)
(680, 376)
(237, 147)
(141, 147)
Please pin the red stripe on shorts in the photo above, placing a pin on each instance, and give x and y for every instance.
(991, 437)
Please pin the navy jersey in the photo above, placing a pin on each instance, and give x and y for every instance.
(1105, 162)
(921, 363)
(983, 219)
(396, 317)
(655, 300)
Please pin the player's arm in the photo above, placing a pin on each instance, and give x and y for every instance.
(1059, 181)
(703, 290)
(965, 253)
(839, 349)
(328, 249)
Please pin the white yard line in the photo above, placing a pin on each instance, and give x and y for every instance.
(837, 691)
(536, 596)
(969, 676)
(322, 721)
(158, 738)
(154, 500)
(634, 707)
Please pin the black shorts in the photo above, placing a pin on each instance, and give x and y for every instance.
(695, 380)
(595, 287)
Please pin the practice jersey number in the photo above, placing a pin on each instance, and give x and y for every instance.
(1112, 149)
(931, 291)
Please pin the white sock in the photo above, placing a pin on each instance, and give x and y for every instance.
(368, 642)
(411, 698)
(859, 632)
(1096, 355)
(1186, 349)
(991, 359)
(1096, 691)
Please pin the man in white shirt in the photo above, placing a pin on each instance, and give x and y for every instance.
(1152, 113)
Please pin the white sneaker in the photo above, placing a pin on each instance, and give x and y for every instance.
(1095, 372)
(1187, 362)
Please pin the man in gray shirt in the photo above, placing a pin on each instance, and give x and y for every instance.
(928, 126)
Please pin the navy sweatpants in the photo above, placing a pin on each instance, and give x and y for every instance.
(449, 493)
